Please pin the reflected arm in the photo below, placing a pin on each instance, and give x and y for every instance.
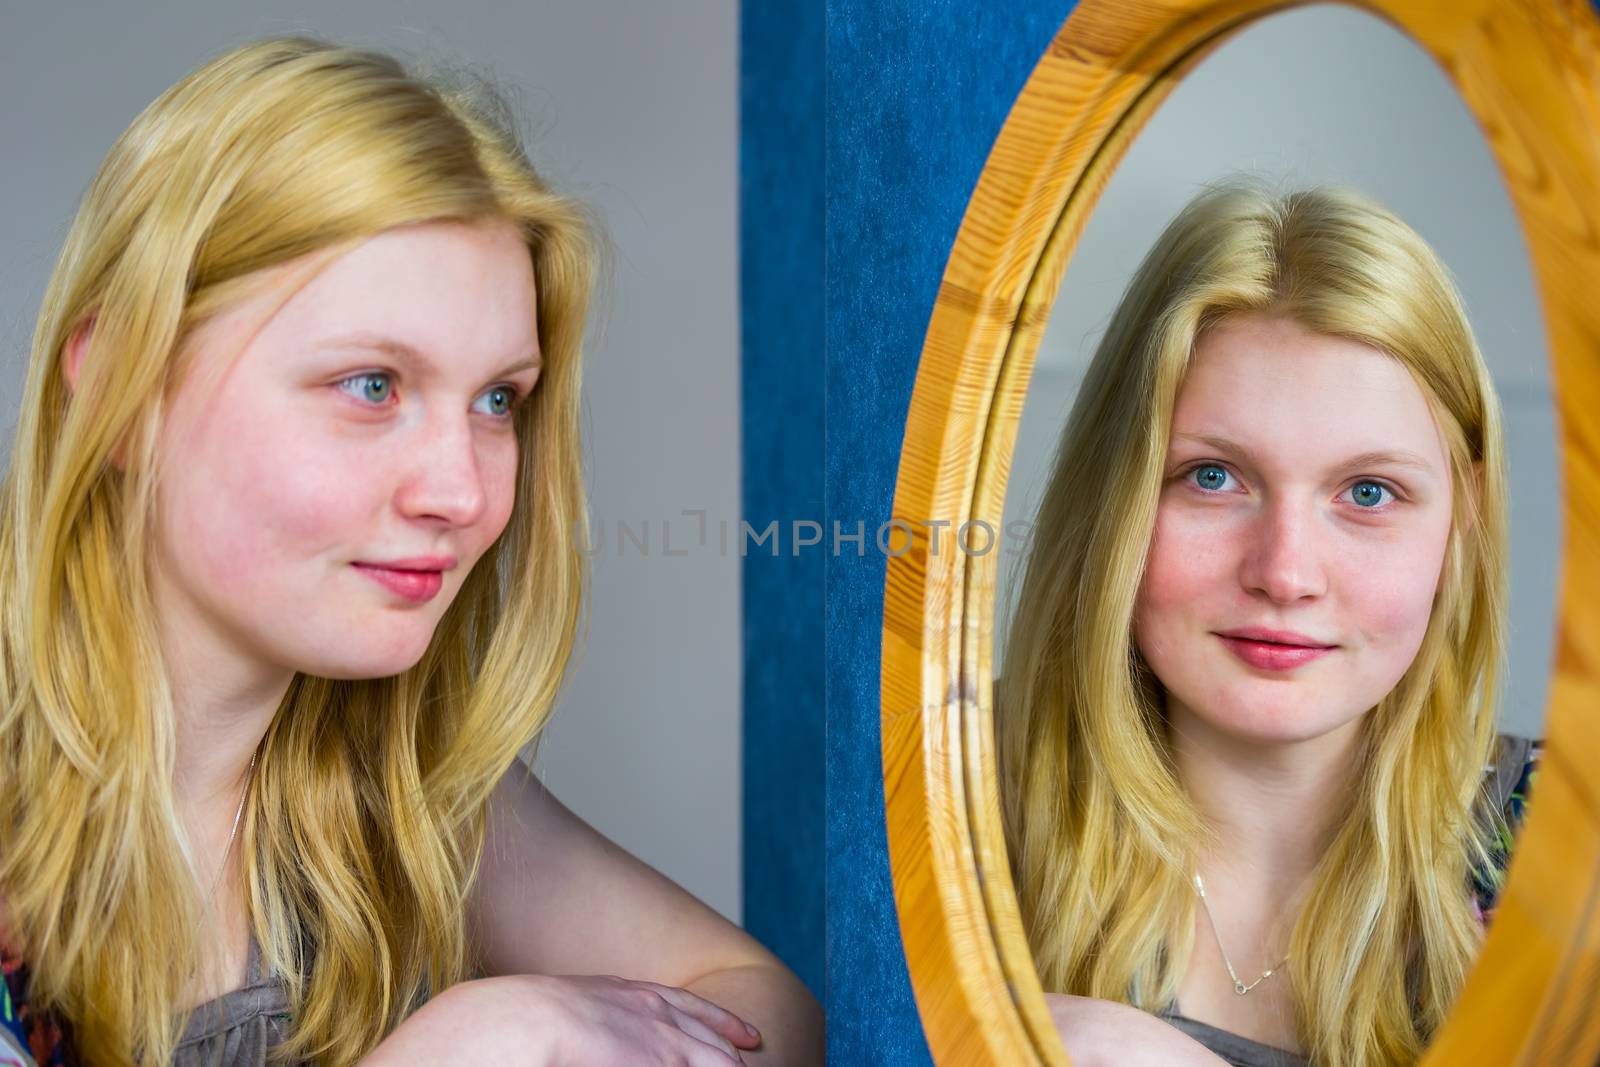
(1103, 1033)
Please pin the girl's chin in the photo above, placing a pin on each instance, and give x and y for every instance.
(355, 666)
(1278, 726)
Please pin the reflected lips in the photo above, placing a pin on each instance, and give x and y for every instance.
(1274, 651)
(414, 585)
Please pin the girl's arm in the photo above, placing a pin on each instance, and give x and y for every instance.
(554, 897)
(1102, 1033)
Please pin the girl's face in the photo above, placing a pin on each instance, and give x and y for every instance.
(1306, 495)
(325, 497)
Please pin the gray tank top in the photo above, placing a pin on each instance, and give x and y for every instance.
(1238, 1051)
(237, 1028)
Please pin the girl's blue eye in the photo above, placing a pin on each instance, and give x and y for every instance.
(1212, 476)
(502, 400)
(1367, 495)
(374, 386)
(1373, 495)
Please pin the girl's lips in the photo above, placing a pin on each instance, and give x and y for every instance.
(1267, 656)
(415, 586)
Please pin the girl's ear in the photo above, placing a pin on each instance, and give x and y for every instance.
(77, 344)
(72, 366)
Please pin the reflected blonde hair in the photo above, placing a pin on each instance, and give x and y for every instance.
(368, 805)
(1102, 836)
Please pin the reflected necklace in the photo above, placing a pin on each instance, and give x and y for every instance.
(226, 852)
(1238, 986)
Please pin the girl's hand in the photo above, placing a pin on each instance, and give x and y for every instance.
(1101, 1033)
(544, 1021)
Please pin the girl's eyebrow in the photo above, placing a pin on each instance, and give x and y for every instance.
(408, 353)
(1374, 458)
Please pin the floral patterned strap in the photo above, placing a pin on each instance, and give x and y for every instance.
(26, 1038)
(12, 1054)
(1488, 883)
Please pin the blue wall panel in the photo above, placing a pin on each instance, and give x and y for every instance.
(781, 413)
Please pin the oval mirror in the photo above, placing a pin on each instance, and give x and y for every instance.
(1062, 218)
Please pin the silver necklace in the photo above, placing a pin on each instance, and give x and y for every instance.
(1238, 986)
(226, 852)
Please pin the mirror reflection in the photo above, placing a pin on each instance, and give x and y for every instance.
(1272, 664)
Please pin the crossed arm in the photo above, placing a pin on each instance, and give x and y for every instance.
(555, 897)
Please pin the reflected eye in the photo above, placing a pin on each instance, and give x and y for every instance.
(374, 387)
(503, 400)
(1211, 476)
(1369, 494)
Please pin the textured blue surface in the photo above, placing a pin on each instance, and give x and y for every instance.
(917, 92)
(781, 413)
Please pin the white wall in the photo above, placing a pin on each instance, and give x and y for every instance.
(634, 108)
(1330, 94)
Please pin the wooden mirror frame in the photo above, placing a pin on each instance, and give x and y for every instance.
(1529, 70)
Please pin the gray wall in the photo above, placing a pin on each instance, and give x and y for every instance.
(632, 107)
(1331, 94)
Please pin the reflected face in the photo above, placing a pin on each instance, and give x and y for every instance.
(1300, 535)
(329, 486)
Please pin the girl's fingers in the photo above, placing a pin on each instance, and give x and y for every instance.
(702, 1033)
(703, 1055)
(724, 1022)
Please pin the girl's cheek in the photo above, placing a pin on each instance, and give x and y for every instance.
(499, 468)
(1187, 559)
(304, 492)
(1393, 584)
(1395, 606)
(287, 500)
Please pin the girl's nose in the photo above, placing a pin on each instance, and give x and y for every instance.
(445, 478)
(1283, 560)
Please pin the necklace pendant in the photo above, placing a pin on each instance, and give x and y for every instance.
(1240, 988)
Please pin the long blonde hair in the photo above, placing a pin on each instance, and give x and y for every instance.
(1102, 836)
(368, 805)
